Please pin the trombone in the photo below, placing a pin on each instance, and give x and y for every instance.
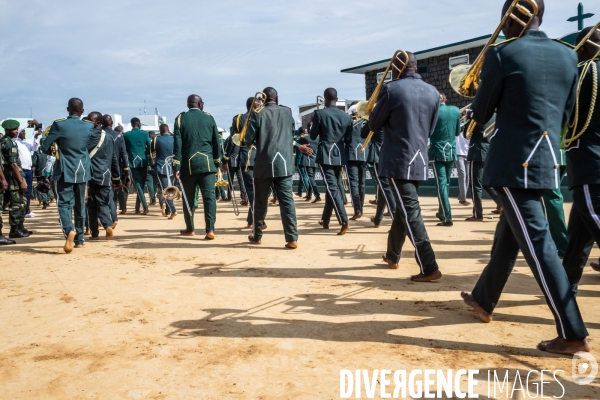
(260, 99)
(464, 78)
(586, 66)
(171, 192)
(364, 108)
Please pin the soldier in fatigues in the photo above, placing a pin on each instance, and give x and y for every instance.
(197, 156)
(583, 164)
(442, 154)
(478, 148)
(271, 129)
(531, 82)
(137, 143)
(3, 187)
(105, 174)
(407, 110)
(15, 178)
(75, 139)
(334, 129)
(356, 166)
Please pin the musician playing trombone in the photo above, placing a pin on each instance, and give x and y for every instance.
(197, 157)
(163, 147)
(531, 81)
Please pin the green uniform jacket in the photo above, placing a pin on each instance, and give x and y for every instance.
(137, 143)
(196, 147)
(272, 130)
(75, 139)
(333, 127)
(105, 162)
(583, 155)
(531, 82)
(480, 145)
(442, 143)
(10, 154)
(248, 153)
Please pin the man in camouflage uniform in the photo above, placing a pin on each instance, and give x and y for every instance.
(11, 165)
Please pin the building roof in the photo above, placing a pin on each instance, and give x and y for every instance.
(423, 54)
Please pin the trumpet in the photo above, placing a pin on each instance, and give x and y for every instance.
(260, 99)
(364, 108)
(464, 78)
(586, 66)
(171, 192)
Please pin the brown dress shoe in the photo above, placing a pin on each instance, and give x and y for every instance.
(186, 233)
(432, 276)
(210, 235)
(253, 241)
(390, 263)
(123, 212)
(173, 215)
(473, 219)
(374, 202)
(87, 232)
(292, 245)
(345, 229)
(153, 203)
(374, 224)
(94, 238)
(464, 203)
(114, 225)
(145, 212)
(356, 216)
(69, 243)
(324, 225)
(318, 199)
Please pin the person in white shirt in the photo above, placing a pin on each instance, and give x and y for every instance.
(25, 147)
(462, 166)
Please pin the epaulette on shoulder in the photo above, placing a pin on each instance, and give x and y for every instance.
(564, 43)
(87, 120)
(60, 119)
(207, 113)
(503, 42)
(259, 110)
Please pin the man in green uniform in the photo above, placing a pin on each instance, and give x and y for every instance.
(583, 164)
(533, 94)
(15, 182)
(74, 139)
(271, 129)
(104, 174)
(3, 186)
(442, 154)
(197, 157)
(137, 143)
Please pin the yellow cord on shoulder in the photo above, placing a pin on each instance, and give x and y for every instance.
(592, 64)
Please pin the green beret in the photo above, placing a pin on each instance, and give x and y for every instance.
(10, 124)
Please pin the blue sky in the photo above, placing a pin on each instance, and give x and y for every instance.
(116, 54)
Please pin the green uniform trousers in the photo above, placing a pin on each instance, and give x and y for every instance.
(71, 199)
(443, 172)
(555, 213)
(206, 184)
(98, 205)
(16, 213)
(139, 176)
(151, 191)
(283, 187)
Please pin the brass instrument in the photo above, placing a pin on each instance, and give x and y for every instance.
(259, 99)
(586, 66)
(364, 108)
(220, 181)
(464, 78)
(171, 192)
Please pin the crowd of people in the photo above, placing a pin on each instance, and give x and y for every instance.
(526, 108)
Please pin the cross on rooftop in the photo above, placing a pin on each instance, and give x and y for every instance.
(580, 17)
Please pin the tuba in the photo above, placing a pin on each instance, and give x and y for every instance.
(464, 78)
(259, 100)
(364, 108)
(586, 66)
(171, 192)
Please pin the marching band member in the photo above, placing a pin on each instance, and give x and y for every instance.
(334, 129)
(119, 192)
(137, 143)
(197, 157)
(533, 96)
(308, 148)
(3, 186)
(355, 166)
(163, 147)
(407, 124)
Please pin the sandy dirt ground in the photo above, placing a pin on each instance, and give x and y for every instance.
(152, 315)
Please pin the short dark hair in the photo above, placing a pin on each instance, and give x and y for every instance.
(249, 102)
(271, 93)
(594, 38)
(135, 120)
(96, 116)
(163, 126)
(330, 94)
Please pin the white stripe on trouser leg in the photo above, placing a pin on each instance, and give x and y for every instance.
(345, 172)
(588, 200)
(58, 209)
(412, 237)
(537, 262)
(387, 202)
(473, 194)
(253, 205)
(337, 213)
(437, 181)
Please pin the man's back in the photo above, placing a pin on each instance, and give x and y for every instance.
(443, 140)
(196, 142)
(73, 137)
(333, 127)
(164, 149)
(407, 110)
(103, 162)
(273, 130)
(531, 82)
(137, 143)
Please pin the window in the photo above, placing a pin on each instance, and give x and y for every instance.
(454, 61)
(423, 69)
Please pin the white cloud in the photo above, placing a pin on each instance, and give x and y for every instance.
(116, 54)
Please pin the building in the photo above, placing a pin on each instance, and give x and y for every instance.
(306, 111)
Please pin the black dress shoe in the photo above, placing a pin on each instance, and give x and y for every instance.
(15, 233)
(4, 241)
(446, 224)
(22, 229)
